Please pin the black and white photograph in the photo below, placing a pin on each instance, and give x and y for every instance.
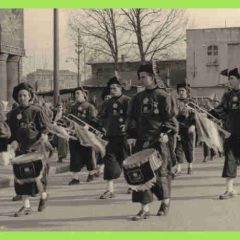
(119, 120)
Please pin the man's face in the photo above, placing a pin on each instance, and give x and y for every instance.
(115, 90)
(147, 81)
(23, 98)
(182, 92)
(79, 96)
(234, 82)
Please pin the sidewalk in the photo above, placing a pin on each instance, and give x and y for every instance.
(6, 174)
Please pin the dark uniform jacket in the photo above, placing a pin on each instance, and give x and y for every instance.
(113, 115)
(27, 124)
(229, 111)
(185, 117)
(84, 111)
(150, 113)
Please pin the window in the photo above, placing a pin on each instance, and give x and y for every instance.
(212, 50)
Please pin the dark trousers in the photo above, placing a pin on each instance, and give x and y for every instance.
(232, 156)
(162, 187)
(208, 151)
(185, 146)
(116, 151)
(81, 156)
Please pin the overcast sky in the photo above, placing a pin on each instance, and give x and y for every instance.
(38, 30)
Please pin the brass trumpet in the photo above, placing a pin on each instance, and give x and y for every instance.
(80, 122)
(211, 117)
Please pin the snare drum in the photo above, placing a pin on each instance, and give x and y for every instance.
(28, 166)
(139, 169)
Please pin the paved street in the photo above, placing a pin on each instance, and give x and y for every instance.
(195, 205)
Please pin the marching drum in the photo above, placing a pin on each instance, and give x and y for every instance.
(28, 167)
(139, 169)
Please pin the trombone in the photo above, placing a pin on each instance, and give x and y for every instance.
(214, 119)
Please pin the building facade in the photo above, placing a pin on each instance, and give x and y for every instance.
(11, 50)
(209, 51)
(175, 70)
(42, 80)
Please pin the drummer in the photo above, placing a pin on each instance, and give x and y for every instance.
(151, 118)
(28, 125)
(114, 114)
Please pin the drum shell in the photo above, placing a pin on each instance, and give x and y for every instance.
(139, 175)
(139, 169)
(28, 170)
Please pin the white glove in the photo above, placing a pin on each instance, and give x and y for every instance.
(191, 129)
(43, 138)
(163, 138)
(14, 145)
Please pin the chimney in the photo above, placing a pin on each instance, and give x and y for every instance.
(122, 58)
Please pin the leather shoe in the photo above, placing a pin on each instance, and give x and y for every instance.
(90, 178)
(17, 198)
(163, 210)
(74, 182)
(42, 204)
(107, 195)
(141, 215)
(190, 171)
(23, 211)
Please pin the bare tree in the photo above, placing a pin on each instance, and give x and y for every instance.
(155, 30)
(99, 31)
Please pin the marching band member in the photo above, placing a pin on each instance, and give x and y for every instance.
(186, 137)
(79, 154)
(28, 125)
(60, 143)
(114, 114)
(150, 118)
(229, 111)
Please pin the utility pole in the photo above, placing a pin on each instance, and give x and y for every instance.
(78, 51)
(56, 57)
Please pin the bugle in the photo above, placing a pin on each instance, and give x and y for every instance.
(80, 122)
(194, 106)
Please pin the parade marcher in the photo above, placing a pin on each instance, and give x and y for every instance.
(186, 138)
(28, 125)
(60, 143)
(100, 163)
(80, 155)
(150, 119)
(229, 111)
(113, 116)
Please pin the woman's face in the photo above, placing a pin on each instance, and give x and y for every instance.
(24, 98)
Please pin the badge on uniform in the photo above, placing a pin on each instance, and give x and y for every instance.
(115, 105)
(235, 98)
(156, 111)
(120, 120)
(145, 100)
(19, 116)
(80, 108)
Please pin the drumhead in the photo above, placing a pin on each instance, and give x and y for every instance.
(28, 157)
(139, 157)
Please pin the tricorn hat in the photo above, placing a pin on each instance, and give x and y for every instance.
(183, 85)
(113, 80)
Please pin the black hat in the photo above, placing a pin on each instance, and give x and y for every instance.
(234, 72)
(145, 68)
(224, 72)
(85, 92)
(183, 85)
(22, 86)
(113, 80)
